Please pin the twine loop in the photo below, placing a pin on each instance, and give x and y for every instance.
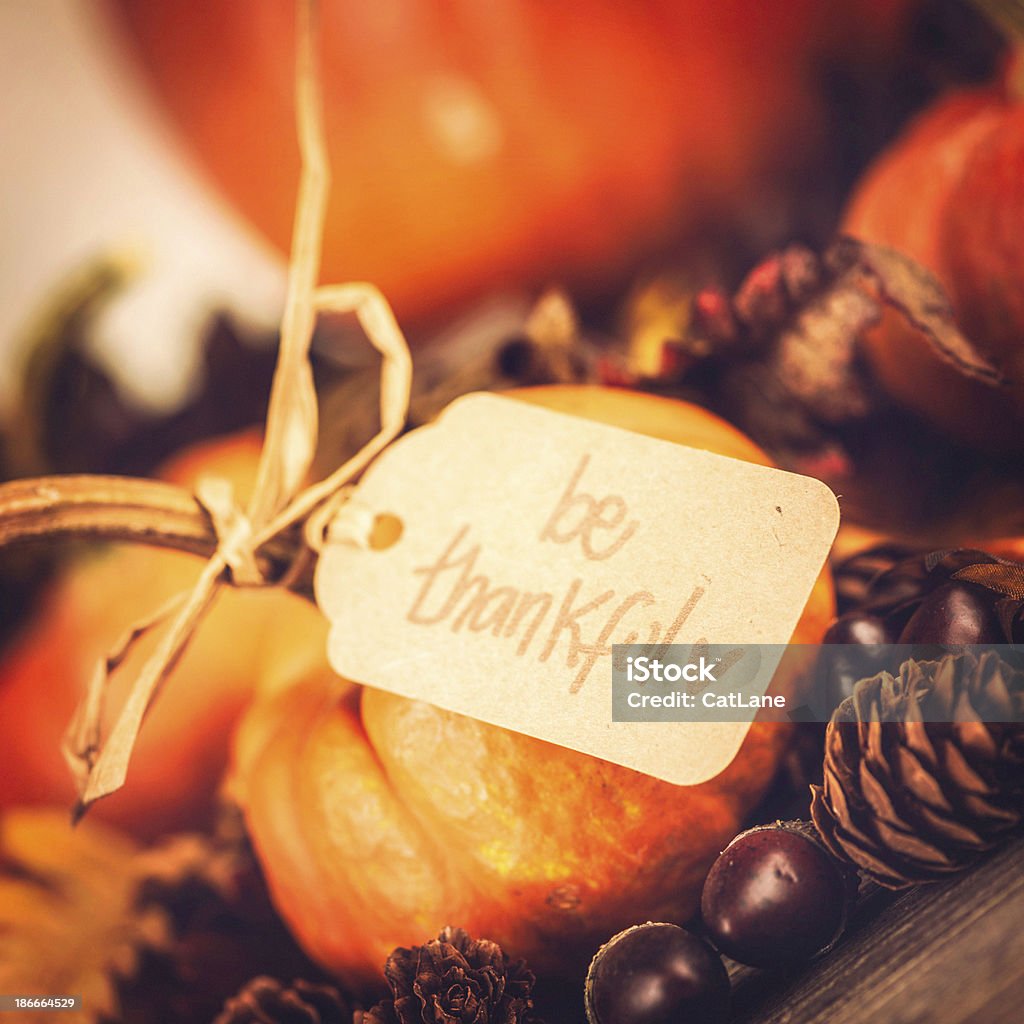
(280, 501)
(233, 528)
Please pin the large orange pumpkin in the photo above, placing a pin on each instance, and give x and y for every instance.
(174, 775)
(476, 145)
(378, 819)
(950, 193)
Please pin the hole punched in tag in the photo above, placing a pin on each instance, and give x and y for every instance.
(385, 532)
(360, 526)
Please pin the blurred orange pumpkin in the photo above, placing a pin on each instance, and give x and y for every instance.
(477, 145)
(378, 819)
(182, 751)
(950, 193)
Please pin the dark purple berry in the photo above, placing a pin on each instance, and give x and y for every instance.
(855, 648)
(657, 974)
(775, 897)
(858, 628)
(955, 613)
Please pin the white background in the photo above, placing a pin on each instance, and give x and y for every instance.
(88, 166)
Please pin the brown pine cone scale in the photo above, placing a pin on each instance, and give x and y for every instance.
(924, 771)
(267, 1001)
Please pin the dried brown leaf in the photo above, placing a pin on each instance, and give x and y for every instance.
(68, 925)
(917, 294)
(1003, 578)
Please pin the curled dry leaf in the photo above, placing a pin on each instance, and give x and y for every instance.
(916, 293)
(68, 923)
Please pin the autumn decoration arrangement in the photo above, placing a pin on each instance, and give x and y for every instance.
(288, 847)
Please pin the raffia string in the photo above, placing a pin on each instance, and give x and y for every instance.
(278, 501)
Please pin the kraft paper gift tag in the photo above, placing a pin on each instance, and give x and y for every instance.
(486, 563)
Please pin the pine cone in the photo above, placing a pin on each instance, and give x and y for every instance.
(267, 1001)
(924, 771)
(223, 929)
(455, 980)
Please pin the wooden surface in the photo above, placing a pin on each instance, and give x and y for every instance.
(951, 953)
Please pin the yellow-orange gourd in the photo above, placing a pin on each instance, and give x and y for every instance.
(378, 820)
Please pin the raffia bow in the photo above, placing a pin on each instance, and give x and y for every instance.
(275, 538)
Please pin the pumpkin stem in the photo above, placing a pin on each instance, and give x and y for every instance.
(1006, 15)
(1015, 74)
(121, 509)
(1008, 18)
